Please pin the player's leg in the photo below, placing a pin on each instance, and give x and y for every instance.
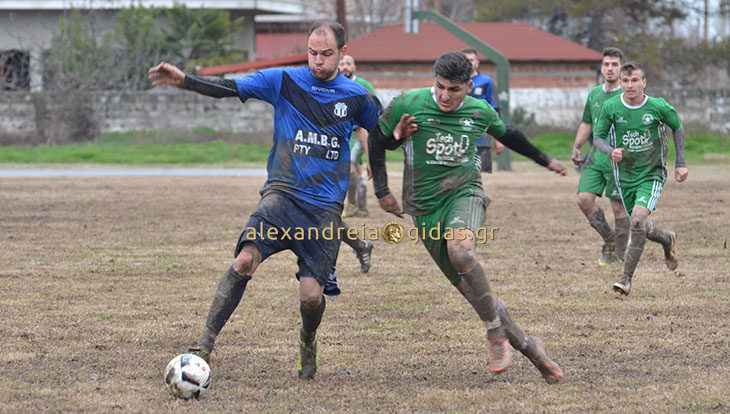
(316, 258)
(362, 248)
(667, 239)
(351, 206)
(621, 217)
(591, 184)
(252, 248)
(622, 228)
(311, 307)
(361, 194)
(463, 217)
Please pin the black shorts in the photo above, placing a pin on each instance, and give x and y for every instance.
(281, 222)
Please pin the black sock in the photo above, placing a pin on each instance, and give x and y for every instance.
(634, 251)
(311, 319)
(227, 297)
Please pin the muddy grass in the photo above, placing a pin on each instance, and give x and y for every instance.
(103, 281)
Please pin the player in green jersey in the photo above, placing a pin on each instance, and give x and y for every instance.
(631, 131)
(597, 174)
(442, 189)
(357, 190)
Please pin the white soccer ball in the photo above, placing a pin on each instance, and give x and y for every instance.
(187, 376)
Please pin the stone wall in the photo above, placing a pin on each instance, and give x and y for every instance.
(37, 118)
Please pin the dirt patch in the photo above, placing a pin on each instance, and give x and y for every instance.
(104, 280)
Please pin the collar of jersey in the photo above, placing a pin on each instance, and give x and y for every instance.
(646, 97)
(612, 90)
(435, 100)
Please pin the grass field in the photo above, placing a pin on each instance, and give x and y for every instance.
(104, 280)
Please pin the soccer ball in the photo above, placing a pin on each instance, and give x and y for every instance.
(187, 376)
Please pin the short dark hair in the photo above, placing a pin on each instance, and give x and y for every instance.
(613, 52)
(469, 51)
(453, 66)
(629, 67)
(336, 28)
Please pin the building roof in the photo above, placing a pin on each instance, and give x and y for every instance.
(277, 45)
(269, 6)
(517, 41)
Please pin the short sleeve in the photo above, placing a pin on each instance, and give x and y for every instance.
(670, 116)
(263, 85)
(389, 119)
(603, 125)
(587, 117)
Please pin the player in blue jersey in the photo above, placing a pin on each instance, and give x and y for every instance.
(483, 88)
(315, 109)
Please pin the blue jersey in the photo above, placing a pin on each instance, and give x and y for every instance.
(310, 156)
(483, 88)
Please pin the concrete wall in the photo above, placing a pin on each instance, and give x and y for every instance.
(31, 118)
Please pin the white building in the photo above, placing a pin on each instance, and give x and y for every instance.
(26, 27)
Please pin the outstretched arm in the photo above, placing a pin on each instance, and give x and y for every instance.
(377, 144)
(517, 141)
(680, 166)
(167, 74)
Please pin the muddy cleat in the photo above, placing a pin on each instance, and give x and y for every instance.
(670, 258)
(363, 256)
(500, 354)
(308, 359)
(623, 286)
(351, 211)
(535, 352)
(200, 351)
(607, 254)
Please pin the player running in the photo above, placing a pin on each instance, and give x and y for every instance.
(438, 128)
(631, 131)
(315, 109)
(597, 173)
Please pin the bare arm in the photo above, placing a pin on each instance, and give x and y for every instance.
(362, 136)
(584, 132)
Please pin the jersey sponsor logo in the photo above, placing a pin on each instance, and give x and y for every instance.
(432, 121)
(446, 150)
(316, 145)
(636, 142)
(647, 119)
(466, 124)
(321, 89)
(341, 109)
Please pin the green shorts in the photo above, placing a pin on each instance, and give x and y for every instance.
(646, 194)
(467, 208)
(356, 149)
(594, 179)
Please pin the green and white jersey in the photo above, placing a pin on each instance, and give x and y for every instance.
(441, 156)
(640, 130)
(596, 97)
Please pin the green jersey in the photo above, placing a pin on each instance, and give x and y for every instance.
(596, 97)
(365, 84)
(441, 155)
(640, 130)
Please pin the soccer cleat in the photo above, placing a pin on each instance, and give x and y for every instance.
(200, 351)
(500, 355)
(363, 256)
(670, 258)
(351, 211)
(535, 352)
(308, 359)
(623, 286)
(607, 254)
